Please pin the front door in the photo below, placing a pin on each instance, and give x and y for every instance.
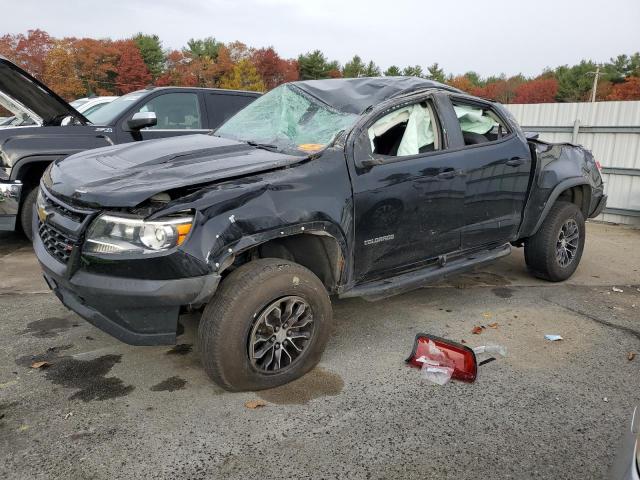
(178, 113)
(408, 192)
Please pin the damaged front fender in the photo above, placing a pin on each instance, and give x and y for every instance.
(236, 216)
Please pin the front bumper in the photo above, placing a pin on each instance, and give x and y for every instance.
(135, 311)
(9, 204)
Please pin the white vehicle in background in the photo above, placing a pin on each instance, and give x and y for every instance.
(89, 105)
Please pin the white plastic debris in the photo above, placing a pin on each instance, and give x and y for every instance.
(491, 349)
(436, 373)
(553, 338)
(616, 289)
(436, 367)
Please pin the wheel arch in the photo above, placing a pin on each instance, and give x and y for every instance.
(318, 246)
(573, 190)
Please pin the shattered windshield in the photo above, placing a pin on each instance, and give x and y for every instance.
(287, 119)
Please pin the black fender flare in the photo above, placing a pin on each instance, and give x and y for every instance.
(556, 192)
(222, 255)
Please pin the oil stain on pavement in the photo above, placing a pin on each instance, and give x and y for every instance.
(317, 383)
(48, 327)
(503, 292)
(171, 384)
(180, 349)
(87, 376)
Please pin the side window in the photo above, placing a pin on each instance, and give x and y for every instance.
(408, 130)
(175, 111)
(479, 124)
(222, 106)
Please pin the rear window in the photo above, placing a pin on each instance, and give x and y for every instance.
(222, 106)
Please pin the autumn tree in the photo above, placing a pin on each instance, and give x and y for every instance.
(392, 71)
(132, 72)
(272, 69)
(96, 63)
(244, 76)
(461, 82)
(238, 51)
(150, 48)
(627, 90)
(28, 51)
(178, 71)
(540, 90)
(59, 72)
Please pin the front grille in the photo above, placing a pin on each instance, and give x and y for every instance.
(65, 212)
(57, 243)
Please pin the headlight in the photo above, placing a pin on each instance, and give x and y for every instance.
(40, 206)
(110, 234)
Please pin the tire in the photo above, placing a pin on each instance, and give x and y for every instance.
(239, 310)
(26, 213)
(542, 251)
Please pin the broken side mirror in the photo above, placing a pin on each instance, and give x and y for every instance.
(532, 135)
(439, 352)
(68, 120)
(142, 120)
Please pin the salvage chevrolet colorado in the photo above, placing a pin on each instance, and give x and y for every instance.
(348, 187)
(46, 128)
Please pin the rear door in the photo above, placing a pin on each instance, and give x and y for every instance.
(221, 105)
(408, 191)
(497, 163)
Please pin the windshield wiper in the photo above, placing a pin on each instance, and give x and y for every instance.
(264, 146)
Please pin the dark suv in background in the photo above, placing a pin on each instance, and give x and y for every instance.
(49, 129)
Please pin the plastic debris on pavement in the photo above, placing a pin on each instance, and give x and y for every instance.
(490, 349)
(436, 367)
(616, 289)
(441, 360)
(553, 338)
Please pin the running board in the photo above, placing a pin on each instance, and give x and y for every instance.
(380, 289)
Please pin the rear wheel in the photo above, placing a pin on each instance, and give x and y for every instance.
(267, 325)
(554, 252)
(26, 213)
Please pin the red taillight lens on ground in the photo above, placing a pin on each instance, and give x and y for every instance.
(460, 357)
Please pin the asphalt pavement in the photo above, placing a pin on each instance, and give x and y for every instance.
(106, 410)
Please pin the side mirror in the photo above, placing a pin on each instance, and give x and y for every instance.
(142, 120)
(68, 120)
(531, 135)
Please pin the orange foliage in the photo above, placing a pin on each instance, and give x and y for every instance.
(540, 90)
(627, 90)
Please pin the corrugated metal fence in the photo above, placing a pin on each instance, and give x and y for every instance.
(611, 130)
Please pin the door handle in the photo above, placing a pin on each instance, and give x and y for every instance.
(515, 162)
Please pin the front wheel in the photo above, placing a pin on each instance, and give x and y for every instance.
(267, 325)
(26, 213)
(555, 250)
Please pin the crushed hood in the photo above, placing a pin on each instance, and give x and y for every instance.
(126, 175)
(28, 95)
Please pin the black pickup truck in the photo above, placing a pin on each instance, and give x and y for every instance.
(46, 128)
(347, 187)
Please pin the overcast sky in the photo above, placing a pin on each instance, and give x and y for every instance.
(509, 36)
